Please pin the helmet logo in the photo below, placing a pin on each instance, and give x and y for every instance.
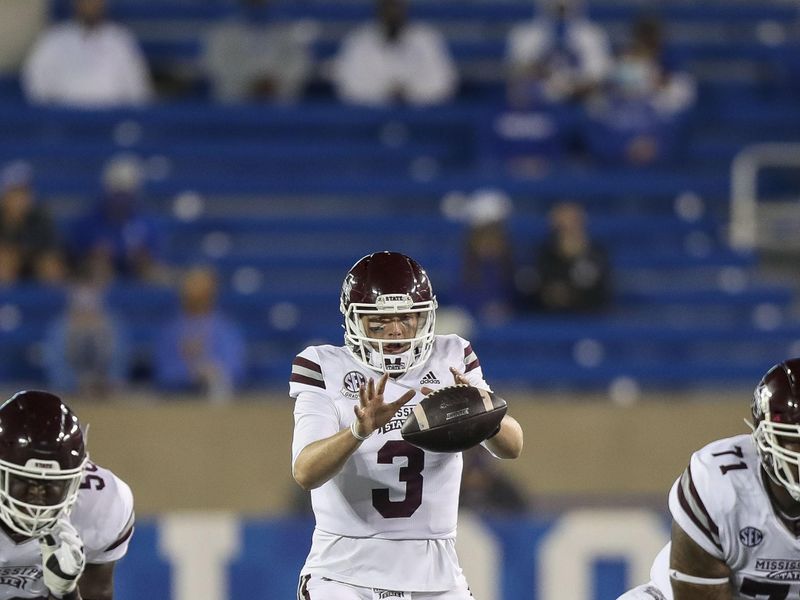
(347, 289)
(394, 364)
(394, 302)
(43, 465)
(762, 396)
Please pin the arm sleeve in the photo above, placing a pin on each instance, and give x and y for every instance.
(689, 504)
(110, 534)
(472, 367)
(315, 418)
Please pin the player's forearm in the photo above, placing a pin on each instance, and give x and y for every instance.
(321, 460)
(507, 443)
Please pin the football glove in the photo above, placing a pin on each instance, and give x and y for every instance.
(63, 559)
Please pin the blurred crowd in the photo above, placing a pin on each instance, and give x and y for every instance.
(631, 102)
(568, 90)
(567, 93)
(86, 349)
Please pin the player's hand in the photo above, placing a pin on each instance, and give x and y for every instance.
(63, 558)
(458, 378)
(372, 412)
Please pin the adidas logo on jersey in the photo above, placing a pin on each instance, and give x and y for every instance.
(430, 377)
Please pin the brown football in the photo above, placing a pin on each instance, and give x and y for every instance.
(454, 418)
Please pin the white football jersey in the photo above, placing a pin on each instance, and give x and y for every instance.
(392, 504)
(103, 516)
(720, 501)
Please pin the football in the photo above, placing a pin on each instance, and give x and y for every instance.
(454, 418)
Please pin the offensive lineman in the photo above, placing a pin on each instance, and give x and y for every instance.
(736, 508)
(65, 521)
(385, 510)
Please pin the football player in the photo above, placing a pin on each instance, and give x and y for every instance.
(65, 521)
(385, 510)
(736, 508)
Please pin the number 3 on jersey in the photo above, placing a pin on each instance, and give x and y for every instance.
(411, 474)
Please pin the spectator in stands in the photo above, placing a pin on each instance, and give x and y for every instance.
(249, 58)
(486, 285)
(485, 489)
(87, 62)
(86, 349)
(393, 60)
(560, 56)
(201, 350)
(117, 238)
(636, 119)
(30, 249)
(572, 272)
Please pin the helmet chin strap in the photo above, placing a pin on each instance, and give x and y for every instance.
(773, 476)
(382, 361)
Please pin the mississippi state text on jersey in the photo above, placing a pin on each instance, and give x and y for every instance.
(389, 489)
(721, 502)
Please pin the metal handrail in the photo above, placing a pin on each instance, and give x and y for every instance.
(746, 164)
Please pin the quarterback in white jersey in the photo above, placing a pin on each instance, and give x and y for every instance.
(64, 521)
(385, 510)
(736, 508)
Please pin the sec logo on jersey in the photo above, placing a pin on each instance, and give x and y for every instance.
(750, 536)
(351, 383)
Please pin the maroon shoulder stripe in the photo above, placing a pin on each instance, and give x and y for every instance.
(126, 533)
(302, 588)
(307, 372)
(307, 380)
(470, 359)
(307, 364)
(696, 497)
(693, 506)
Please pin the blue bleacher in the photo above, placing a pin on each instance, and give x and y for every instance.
(297, 194)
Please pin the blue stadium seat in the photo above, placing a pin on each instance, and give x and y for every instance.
(292, 196)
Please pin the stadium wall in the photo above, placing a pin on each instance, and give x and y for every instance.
(588, 554)
(190, 456)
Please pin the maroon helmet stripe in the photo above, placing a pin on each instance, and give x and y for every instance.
(692, 505)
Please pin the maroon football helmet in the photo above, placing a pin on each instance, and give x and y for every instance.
(388, 283)
(776, 421)
(41, 448)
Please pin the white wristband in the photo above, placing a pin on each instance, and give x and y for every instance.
(678, 576)
(360, 438)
